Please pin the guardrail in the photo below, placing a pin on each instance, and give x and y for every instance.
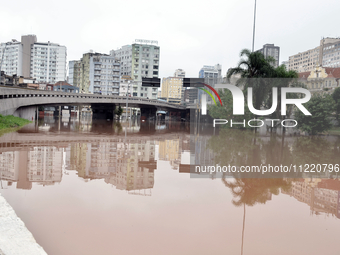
(15, 92)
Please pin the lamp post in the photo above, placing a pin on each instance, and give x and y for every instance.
(254, 26)
(127, 96)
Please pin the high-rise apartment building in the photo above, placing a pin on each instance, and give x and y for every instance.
(179, 73)
(330, 52)
(304, 61)
(327, 54)
(172, 89)
(46, 62)
(211, 74)
(124, 55)
(97, 73)
(270, 50)
(138, 60)
(11, 57)
(71, 71)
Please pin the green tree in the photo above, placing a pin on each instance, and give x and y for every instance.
(336, 98)
(226, 111)
(321, 108)
(254, 65)
(118, 111)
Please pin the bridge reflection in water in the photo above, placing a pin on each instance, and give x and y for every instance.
(125, 155)
(90, 159)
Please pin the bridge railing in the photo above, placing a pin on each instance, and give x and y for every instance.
(15, 92)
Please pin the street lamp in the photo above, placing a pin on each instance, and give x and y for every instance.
(254, 26)
(127, 96)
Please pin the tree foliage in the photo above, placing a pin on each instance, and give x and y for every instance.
(321, 108)
(226, 111)
(336, 98)
(118, 111)
(259, 73)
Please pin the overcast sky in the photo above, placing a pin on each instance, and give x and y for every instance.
(190, 33)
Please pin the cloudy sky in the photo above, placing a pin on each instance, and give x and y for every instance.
(190, 33)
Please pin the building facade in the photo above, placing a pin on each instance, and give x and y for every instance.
(330, 52)
(11, 58)
(172, 89)
(71, 71)
(211, 74)
(304, 61)
(46, 62)
(138, 60)
(321, 79)
(270, 50)
(327, 54)
(181, 74)
(97, 73)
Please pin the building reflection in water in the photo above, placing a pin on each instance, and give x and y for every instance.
(128, 163)
(322, 195)
(42, 165)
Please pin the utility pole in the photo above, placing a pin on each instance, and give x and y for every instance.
(254, 27)
(127, 96)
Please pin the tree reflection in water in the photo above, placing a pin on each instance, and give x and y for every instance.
(252, 191)
(246, 148)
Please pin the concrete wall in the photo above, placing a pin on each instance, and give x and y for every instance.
(28, 113)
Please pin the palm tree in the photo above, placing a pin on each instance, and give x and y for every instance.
(254, 65)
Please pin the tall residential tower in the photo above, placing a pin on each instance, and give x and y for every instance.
(46, 62)
(141, 59)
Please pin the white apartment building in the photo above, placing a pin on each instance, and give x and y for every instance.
(179, 73)
(127, 85)
(11, 57)
(96, 73)
(46, 62)
(124, 54)
(211, 74)
(330, 52)
(138, 60)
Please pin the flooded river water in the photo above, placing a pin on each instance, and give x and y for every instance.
(102, 187)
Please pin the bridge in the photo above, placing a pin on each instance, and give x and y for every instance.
(24, 102)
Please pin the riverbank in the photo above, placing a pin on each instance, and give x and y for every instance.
(15, 238)
(10, 123)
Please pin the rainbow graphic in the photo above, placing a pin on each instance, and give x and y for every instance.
(204, 98)
(209, 93)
